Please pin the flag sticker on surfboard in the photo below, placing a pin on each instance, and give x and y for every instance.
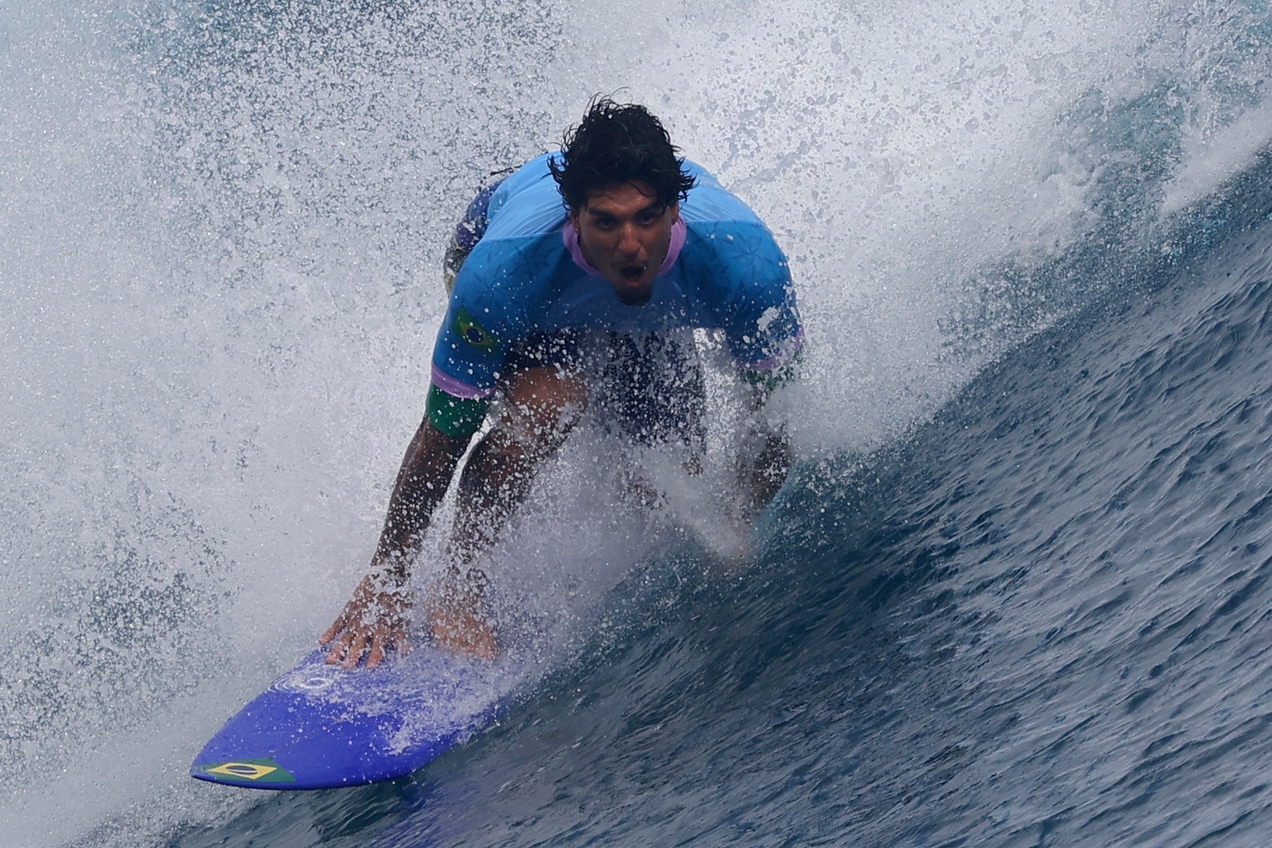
(258, 771)
(320, 726)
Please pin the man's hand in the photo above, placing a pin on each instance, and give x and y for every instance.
(459, 617)
(374, 620)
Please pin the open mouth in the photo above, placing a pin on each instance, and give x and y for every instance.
(632, 273)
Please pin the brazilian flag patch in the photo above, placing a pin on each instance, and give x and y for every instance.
(257, 771)
(473, 333)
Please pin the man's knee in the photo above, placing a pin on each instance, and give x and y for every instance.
(539, 407)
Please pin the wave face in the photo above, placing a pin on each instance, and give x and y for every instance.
(1015, 592)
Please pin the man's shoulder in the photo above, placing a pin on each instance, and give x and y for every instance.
(527, 204)
(511, 270)
(735, 250)
(522, 242)
(709, 202)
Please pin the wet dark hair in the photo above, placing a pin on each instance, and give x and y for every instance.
(615, 144)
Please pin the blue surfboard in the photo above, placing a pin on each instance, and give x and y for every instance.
(321, 726)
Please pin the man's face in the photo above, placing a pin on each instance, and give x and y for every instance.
(625, 233)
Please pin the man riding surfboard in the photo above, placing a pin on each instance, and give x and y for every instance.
(574, 281)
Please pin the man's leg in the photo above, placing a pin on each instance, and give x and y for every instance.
(536, 412)
(468, 232)
(537, 409)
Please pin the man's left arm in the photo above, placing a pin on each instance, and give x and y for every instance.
(765, 337)
(764, 457)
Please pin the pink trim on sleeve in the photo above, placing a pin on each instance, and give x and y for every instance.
(458, 388)
(778, 360)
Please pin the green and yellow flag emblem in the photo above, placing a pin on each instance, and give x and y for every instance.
(257, 771)
(473, 333)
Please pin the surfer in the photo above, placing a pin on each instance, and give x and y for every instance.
(573, 283)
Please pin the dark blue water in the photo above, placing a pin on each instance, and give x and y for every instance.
(1043, 618)
(1016, 592)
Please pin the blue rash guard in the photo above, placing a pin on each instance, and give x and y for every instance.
(527, 276)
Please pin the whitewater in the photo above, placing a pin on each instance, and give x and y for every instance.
(1016, 591)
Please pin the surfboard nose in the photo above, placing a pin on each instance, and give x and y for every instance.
(323, 727)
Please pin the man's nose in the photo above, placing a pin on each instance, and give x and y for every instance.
(627, 240)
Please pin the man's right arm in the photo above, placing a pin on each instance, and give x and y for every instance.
(376, 616)
(421, 484)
